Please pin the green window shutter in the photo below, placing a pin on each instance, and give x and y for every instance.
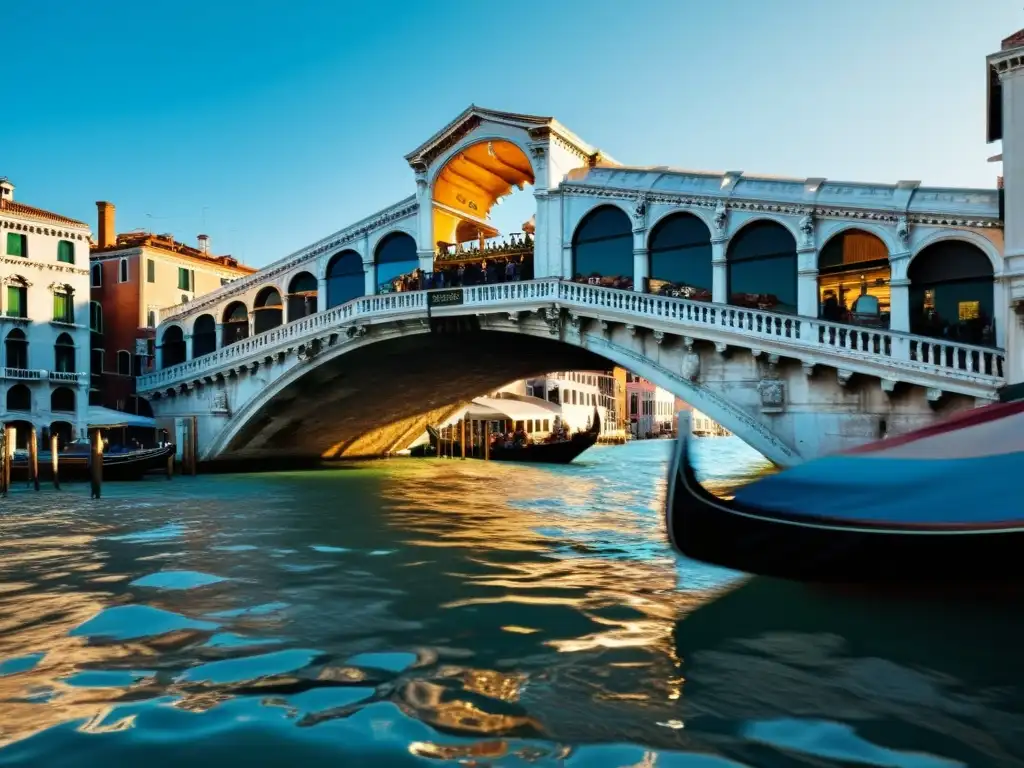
(66, 251)
(182, 279)
(15, 301)
(150, 271)
(15, 244)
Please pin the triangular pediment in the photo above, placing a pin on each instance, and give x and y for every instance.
(536, 125)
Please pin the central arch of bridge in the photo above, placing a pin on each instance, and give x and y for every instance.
(468, 187)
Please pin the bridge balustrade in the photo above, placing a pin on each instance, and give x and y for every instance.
(827, 342)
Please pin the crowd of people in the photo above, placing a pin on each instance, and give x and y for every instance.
(488, 271)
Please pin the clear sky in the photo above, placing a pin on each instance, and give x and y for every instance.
(271, 124)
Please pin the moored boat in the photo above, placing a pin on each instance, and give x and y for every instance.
(941, 504)
(73, 463)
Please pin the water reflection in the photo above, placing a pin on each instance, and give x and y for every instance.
(465, 612)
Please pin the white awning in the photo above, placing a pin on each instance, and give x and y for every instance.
(519, 409)
(107, 418)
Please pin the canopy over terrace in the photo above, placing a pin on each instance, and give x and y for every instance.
(106, 418)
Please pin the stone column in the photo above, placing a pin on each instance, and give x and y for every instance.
(899, 305)
(807, 300)
(719, 273)
(370, 271)
(188, 347)
(425, 223)
(1013, 324)
(219, 341)
(641, 260)
(252, 324)
(321, 294)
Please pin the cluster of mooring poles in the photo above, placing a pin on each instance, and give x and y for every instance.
(479, 443)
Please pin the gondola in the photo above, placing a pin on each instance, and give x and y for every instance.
(556, 452)
(941, 504)
(73, 463)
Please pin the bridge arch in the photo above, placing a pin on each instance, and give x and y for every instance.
(853, 262)
(172, 346)
(268, 309)
(345, 277)
(761, 264)
(394, 255)
(204, 335)
(679, 256)
(235, 323)
(306, 399)
(602, 247)
(953, 291)
(303, 295)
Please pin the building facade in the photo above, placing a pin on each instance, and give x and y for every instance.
(579, 393)
(703, 425)
(132, 277)
(652, 410)
(44, 320)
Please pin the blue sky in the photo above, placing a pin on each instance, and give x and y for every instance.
(269, 125)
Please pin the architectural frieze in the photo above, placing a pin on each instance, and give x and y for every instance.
(52, 266)
(20, 226)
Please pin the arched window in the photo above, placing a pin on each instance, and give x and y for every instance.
(95, 317)
(951, 293)
(395, 256)
(236, 323)
(97, 275)
(64, 354)
(19, 398)
(17, 297)
(302, 295)
(122, 271)
(267, 310)
(762, 267)
(64, 304)
(345, 278)
(63, 399)
(124, 362)
(172, 347)
(16, 349)
(204, 336)
(852, 264)
(680, 253)
(143, 408)
(602, 248)
(66, 251)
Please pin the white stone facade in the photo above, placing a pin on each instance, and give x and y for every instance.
(35, 356)
(579, 393)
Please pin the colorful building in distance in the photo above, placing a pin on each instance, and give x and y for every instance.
(652, 410)
(132, 277)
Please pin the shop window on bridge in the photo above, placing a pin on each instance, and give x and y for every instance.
(62, 399)
(172, 348)
(853, 279)
(16, 349)
(602, 249)
(680, 258)
(64, 354)
(952, 293)
(19, 398)
(302, 295)
(345, 278)
(204, 336)
(236, 323)
(762, 268)
(267, 310)
(396, 258)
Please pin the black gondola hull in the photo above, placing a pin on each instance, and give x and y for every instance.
(116, 466)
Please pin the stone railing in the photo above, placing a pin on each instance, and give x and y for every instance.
(35, 374)
(814, 341)
(24, 374)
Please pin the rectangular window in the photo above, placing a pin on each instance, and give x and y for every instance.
(17, 245)
(122, 273)
(63, 308)
(184, 282)
(150, 271)
(547, 425)
(66, 251)
(96, 361)
(97, 275)
(17, 304)
(151, 317)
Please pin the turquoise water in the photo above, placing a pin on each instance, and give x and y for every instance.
(446, 612)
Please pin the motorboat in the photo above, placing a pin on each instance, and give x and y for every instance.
(940, 504)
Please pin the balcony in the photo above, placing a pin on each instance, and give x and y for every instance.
(73, 378)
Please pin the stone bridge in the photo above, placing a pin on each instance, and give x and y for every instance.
(791, 387)
(806, 315)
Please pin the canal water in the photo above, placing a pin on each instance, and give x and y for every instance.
(429, 612)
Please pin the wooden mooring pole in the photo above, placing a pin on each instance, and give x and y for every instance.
(96, 463)
(33, 458)
(463, 437)
(5, 460)
(55, 461)
(487, 441)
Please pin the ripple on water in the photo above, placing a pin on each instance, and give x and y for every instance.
(178, 580)
(251, 667)
(20, 664)
(391, 662)
(163, 533)
(128, 622)
(264, 609)
(106, 678)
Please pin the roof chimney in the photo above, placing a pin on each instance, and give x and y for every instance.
(107, 231)
(204, 243)
(6, 189)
